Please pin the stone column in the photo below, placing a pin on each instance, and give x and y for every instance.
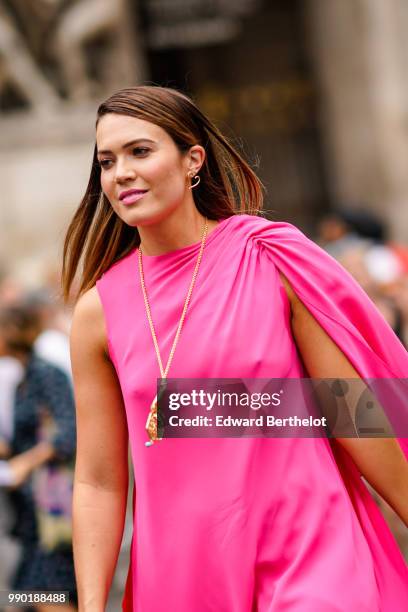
(358, 52)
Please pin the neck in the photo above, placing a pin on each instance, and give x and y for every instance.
(180, 229)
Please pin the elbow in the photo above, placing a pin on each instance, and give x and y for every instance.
(102, 478)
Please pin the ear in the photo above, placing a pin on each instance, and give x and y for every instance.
(196, 157)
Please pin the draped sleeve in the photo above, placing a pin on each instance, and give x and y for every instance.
(345, 312)
(350, 318)
(336, 301)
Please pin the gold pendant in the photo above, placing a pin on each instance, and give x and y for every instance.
(153, 421)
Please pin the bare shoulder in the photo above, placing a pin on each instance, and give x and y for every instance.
(88, 321)
(88, 305)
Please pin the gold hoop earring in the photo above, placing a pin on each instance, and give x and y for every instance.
(197, 179)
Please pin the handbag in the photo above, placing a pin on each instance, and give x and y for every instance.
(52, 487)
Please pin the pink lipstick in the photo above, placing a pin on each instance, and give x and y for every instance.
(132, 195)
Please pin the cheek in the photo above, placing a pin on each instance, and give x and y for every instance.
(167, 177)
(106, 182)
(107, 187)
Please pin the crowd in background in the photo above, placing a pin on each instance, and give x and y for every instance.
(37, 417)
(358, 240)
(37, 443)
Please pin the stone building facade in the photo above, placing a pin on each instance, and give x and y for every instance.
(314, 90)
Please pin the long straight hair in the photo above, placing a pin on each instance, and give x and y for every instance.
(97, 237)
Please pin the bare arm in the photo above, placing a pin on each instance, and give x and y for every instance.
(101, 472)
(380, 460)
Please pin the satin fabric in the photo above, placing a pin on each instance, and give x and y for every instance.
(238, 525)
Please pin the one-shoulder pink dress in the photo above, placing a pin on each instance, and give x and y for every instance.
(248, 524)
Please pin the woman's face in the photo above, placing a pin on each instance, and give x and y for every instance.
(143, 174)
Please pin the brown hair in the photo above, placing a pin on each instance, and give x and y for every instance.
(97, 237)
(19, 327)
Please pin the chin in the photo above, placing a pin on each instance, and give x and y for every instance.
(146, 218)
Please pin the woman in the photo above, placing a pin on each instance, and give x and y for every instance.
(42, 445)
(175, 283)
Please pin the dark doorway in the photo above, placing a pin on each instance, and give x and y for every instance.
(246, 64)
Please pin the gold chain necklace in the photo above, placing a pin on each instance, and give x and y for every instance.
(151, 423)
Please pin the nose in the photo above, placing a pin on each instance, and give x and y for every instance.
(124, 171)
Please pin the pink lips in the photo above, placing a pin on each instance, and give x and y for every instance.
(132, 195)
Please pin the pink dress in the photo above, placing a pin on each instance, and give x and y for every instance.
(245, 525)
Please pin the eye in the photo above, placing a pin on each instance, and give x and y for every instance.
(140, 151)
(105, 163)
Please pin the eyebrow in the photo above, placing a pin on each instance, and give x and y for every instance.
(127, 144)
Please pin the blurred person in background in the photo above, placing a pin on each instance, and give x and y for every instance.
(337, 233)
(42, 445)
(357, 239)
(52, 342)
(11, 290)
(11, 373)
